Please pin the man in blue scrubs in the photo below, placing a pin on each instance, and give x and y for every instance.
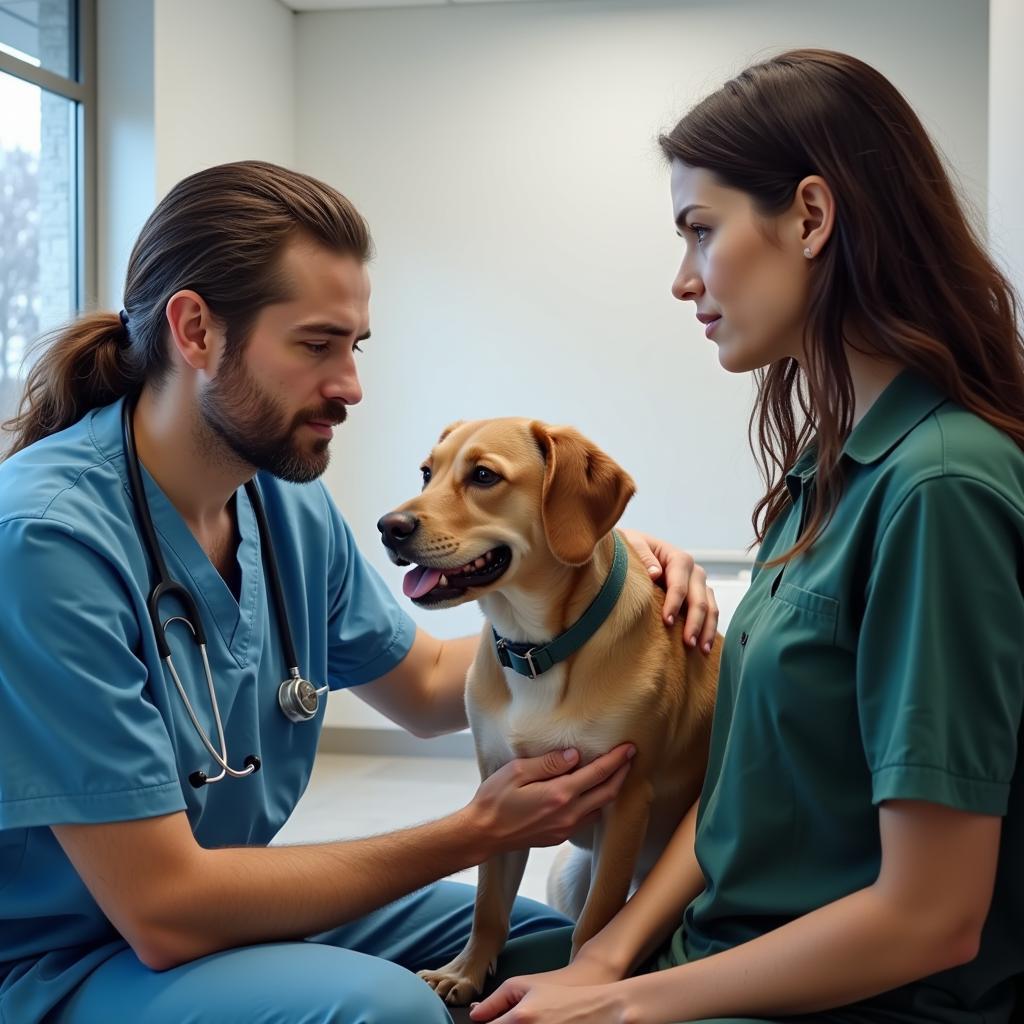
(126, 893)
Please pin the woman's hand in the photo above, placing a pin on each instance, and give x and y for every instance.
(534, 999)
(584, 970)
(685, 582)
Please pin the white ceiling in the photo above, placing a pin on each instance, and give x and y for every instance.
(346, 5)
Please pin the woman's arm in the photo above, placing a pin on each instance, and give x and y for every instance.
(923, 914)
(654, 909)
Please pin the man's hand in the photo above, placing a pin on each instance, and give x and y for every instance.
(541, 801)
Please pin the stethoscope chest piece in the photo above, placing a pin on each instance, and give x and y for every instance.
(299, 698)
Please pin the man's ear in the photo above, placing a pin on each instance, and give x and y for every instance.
(191, 322)
(585, 492)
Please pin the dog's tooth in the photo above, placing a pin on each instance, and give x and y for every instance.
(443, 581)
(489, 556)
(480, 563)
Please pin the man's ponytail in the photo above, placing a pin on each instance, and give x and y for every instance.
(82, 366)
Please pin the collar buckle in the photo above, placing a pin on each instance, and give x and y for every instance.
(501, 645)
(529, 661)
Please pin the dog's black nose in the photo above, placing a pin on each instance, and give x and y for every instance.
(396, 527)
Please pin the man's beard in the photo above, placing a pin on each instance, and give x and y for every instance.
(256, 430)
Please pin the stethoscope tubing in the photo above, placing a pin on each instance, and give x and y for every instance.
(293, 693)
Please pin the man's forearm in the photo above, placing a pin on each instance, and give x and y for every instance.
(240, 896)
(849, 950)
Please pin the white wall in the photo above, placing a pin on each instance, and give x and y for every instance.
(1006, 139)
(125, 158)
(225, 77)
(182, 85)
(505, 158)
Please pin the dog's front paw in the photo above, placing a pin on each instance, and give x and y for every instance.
(458, 982)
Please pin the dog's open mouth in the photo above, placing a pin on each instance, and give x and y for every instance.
(426, 585)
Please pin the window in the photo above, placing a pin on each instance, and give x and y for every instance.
(45, 150)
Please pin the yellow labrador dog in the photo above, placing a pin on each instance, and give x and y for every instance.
(519, 516)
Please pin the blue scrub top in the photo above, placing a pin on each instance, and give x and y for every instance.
(92, 728)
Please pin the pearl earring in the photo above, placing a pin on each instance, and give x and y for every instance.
(808, 253)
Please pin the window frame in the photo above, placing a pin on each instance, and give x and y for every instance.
(82, 91)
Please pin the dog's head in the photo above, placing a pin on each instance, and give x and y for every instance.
(501, 500)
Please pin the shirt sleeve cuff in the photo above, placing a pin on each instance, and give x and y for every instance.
(92, 808)
(936, 785)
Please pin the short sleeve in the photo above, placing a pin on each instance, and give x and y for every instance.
(368, 632)
(940, 658)
(80, 739)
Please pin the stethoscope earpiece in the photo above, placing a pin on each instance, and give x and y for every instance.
(198, 779)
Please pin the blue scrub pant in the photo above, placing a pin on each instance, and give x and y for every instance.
(360, 973)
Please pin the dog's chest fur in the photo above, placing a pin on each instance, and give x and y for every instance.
(534, 722)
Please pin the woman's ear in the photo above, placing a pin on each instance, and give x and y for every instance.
(813, 215)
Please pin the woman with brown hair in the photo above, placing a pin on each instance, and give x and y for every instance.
(856, 852)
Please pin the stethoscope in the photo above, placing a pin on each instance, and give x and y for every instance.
(298, 698)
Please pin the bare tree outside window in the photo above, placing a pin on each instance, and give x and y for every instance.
(19, 261)
(40, 171)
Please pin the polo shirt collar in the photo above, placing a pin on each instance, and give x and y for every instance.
(896, 411)
(803, 469)
(907, 400)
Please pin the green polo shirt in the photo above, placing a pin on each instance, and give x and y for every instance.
(885, 663)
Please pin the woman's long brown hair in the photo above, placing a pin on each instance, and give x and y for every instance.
(219, 232)
(903, 267)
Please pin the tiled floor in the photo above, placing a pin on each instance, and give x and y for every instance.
(351, 796)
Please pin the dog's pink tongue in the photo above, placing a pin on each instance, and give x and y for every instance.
(420, 581)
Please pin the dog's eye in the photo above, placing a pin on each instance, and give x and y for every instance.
(484, 477)
(425, 470)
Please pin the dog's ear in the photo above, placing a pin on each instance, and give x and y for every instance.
(447, 430)
(585, 492)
